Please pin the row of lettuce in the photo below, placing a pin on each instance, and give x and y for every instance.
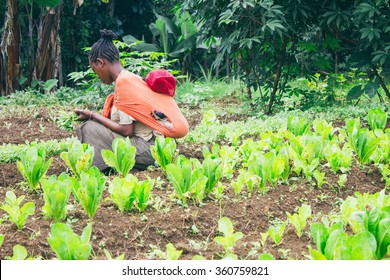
(303, 149)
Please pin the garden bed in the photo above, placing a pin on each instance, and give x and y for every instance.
(191, 229)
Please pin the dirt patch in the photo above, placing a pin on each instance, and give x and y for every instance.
(18, 130)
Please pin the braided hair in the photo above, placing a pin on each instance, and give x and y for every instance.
(104, 47)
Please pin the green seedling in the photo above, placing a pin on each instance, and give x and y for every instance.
(377, 119)
(341, 182)
(212, 169)
(266, 257)
(88, 191)
(319, 176)
(18, 215)
(363, 141)
(298, 220)
(32, 166)
(69, 246)
(171, 253)
(78, 158)
(56, 196)
(121, 257)
(298, 126)
(229, 238)
(122, 156)
(276, 232)
(127, 192)
(164, 151)
(187, 179)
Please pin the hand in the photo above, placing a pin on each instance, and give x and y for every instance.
(84, 115)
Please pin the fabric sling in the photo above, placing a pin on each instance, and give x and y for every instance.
(133, 96)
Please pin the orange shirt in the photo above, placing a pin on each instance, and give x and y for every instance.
(136, 99)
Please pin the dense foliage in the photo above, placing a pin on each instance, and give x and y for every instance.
(265, 43)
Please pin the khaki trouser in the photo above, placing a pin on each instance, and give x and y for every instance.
(101, 137)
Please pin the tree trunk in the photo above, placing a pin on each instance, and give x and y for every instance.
(10, 48)
(277, 76)
(48, 51)
(30, 48)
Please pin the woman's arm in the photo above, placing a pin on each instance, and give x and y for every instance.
(122, 129)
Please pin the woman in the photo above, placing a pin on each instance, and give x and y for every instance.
(133, 110)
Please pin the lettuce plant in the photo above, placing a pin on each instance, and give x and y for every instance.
(17, 214)
(382, 153)
(171, 253)
(69, 246)
(230, 158)
(122, 192)
(227, 155)
(122, 156)
(338, 159)
(306, 153)
(32, 166)
(88, 191)
(164, 151)
(79, 157)
(333, 243)
(377, 119)
(246, 178)
(323, 128)
(363, 142)
(142, 194)
(377, 222)
(276, 232)
(212, 169)
(127, 192)
(187, 179)
(56, 195)
(319, 176)
(269, 167)
(298, 126)
(229, 238)
(371, 230)
(298, 220)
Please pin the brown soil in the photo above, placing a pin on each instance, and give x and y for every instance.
(191, 229)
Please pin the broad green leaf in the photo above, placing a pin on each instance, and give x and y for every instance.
(363, 246)
(355, 93)
(225, 226)
(20, 252)
(69, 246)
(316, 255)
(383, 237)
(336, 245)
(172, 253)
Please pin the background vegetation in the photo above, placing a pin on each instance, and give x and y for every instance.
(267, 44)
